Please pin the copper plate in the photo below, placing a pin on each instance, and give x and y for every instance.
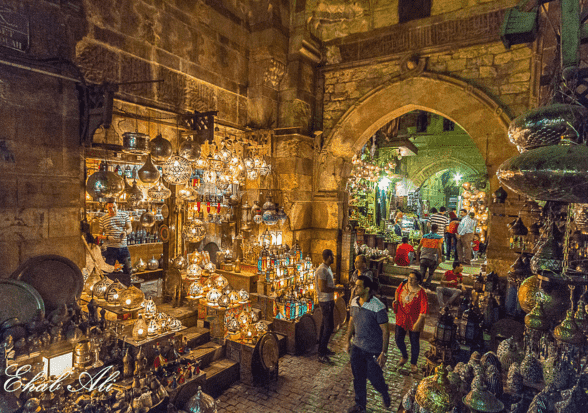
(269, 352)
(57, 279)
(18, 299)
(164, 233)
(306, 334)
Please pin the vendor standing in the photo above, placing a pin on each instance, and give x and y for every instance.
(115, 226)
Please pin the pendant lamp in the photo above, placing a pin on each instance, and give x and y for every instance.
(161, 149)
(158, 192)
(148, 173)
(104, 184)
(177, 170)
(190, 149)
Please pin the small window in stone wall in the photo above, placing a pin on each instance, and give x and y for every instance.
(413, 10)
(448, 125)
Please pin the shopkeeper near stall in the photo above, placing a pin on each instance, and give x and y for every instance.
(115, 226)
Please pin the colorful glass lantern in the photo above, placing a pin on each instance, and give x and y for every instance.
(131, 297)
(209, 284)
(139, 329)
(195, 231)
(270, 217)
(196, 290)
(243, 296)
(177, 170)
(213, 296)
(113, 293)
(470, 328)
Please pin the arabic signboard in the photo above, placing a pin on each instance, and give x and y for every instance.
(14, 30)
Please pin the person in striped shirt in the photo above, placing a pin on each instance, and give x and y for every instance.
(441, 220)
(115, 226)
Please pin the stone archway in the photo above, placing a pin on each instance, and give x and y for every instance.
(420, 178)
(472, 109)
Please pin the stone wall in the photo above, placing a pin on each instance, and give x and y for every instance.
(41, 173)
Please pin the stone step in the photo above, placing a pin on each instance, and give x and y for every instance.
(220, 375)
(208, 353)
(196, 336)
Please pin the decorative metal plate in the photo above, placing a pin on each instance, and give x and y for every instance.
(340, 312)
(317, 316)
(306, 334)
(57, 279)
(269, 352)
(164, 233)
(19, 299)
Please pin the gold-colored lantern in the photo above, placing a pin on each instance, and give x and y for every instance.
(213, 296)
(149, 308)
(140, 329)
(93, 278)
(196, 290)
(153, 328)
(132, 297)
(113, 293)
(101, 287)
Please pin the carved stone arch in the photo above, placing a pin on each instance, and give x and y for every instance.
(469, 107)
(431, 169)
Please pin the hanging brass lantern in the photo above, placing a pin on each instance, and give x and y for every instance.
(194, 231)
(548, 125)
(135, 143)
(550, 173)
(201, 163)
(190, 149)
(177, 170)
(148, 174)
(104, 184)
(134, 194)
(187, 193)
(568, 332)
(160, 148)
(536, 319)
(158, 192)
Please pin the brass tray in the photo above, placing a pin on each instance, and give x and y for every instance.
(19, 299)
(57, 279)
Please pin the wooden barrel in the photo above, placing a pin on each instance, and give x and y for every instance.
(265, 360)
(306, 334)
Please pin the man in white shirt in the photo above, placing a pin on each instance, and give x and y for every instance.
(465, 236)
(326, 297)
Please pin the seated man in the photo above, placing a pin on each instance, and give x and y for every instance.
(451, 285)
(403, 251)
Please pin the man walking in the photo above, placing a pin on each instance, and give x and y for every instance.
(368, 326)
(430, 254)
(326, 298)
(465, 236)
(441, 220)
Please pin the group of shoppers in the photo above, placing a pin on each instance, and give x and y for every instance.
(368, 333)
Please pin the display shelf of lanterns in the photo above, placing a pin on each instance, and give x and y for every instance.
(118, 301)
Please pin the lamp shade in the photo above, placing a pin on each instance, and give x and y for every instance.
(177, 170)
(161, 149)
(148, 173)
(104, 184)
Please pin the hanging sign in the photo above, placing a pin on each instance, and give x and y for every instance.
(14, 30)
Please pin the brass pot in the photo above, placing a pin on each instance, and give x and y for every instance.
(555, 297)
(83, 354)
(548, 125)
(135, 143)
(551, 173)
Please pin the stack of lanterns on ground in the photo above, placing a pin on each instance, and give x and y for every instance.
(244, 327)
(290, 279)
(474, 200)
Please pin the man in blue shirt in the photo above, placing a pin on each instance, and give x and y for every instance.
(368, 327)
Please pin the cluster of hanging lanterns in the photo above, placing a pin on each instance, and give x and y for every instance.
(364, 174)
(475, 201)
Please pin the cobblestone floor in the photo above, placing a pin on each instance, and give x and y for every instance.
(305, 385)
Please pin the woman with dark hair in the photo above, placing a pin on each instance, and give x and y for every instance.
(411, 306)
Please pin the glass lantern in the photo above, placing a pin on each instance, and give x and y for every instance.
(187, 193)
(158, 192)
(196, 290)
(243, 296)
(282, 217)
(224, 301)
(177, 170)
(244, 319)
(101, 287)
(149, 308)
(139, 329)
(153, 328)
(132, 297)
(233, 325)
(220, 282)
(234, 296)
(194, 271)
(261, 328)
(113, 293)
(445, 329)
(213, 296)
(201, 163)
(195, 231)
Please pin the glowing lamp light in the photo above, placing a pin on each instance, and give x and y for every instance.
(383, 184)
(457, 178)
(57, 364)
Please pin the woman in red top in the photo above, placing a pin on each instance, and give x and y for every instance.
(402, 258)
(411, 306)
